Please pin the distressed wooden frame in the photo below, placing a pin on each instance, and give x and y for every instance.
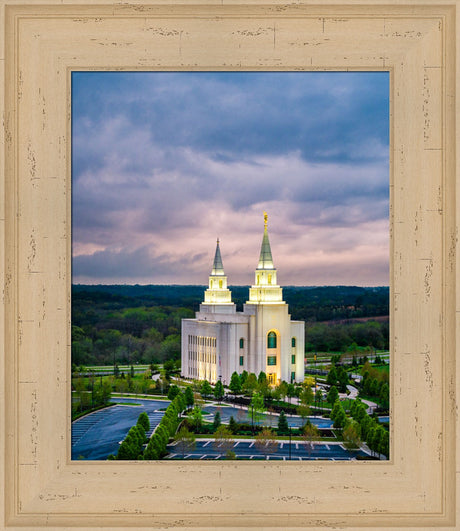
(41, 45)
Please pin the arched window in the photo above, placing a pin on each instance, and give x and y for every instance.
(269, 279)
(271, 340)
(258, 279)
(241, 342)
(293, 342)
(220, 284)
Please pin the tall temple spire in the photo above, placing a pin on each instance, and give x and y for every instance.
(217, 292)
(265, 258)
(265, 289)
(217, 268)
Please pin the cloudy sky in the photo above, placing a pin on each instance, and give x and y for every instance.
(164, 163)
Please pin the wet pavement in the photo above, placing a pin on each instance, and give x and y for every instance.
(247, 449)
(97, 435)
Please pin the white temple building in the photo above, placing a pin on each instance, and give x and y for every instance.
(262, 337)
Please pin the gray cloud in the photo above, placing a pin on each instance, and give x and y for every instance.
(162, 167)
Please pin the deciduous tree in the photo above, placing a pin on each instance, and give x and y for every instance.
(185, 440)
(266, 442)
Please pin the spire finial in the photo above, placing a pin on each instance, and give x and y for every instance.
(265, 219)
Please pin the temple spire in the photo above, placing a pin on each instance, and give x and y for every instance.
(217, 293)
(265, 258)
(218, 267)
(265, 289)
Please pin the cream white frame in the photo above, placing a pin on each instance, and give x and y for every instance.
(417, 43)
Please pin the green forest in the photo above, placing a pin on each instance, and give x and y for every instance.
(141, 324)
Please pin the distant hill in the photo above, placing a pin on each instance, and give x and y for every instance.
(309, 303)
(134, 324)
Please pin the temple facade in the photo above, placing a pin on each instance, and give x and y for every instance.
(220, 340)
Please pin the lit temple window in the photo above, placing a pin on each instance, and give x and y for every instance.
(271, 340)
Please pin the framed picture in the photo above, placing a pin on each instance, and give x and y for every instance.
(44, 44)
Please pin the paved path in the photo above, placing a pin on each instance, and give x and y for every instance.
(242, 414)
(97, 435)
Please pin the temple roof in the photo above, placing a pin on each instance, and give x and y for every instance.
(217, 267)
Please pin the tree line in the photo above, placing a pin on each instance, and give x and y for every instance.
(142, 324)
(346, 337)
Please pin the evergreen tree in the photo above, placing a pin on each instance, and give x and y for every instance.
(189, 398)
(219, 391)
(262, 378)
(233, 425)
(206, 389)
(235, 383)
(290, 391)
(173, 392)
(342, 377)
(332, 376)
(335, 409)
(332, 395)
(217, 421)
(340, 419)
(283, 427)
(144, 421)
(385, 395)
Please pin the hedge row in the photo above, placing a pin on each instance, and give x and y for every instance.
(132, 445)
(156, 448)
(376, 436)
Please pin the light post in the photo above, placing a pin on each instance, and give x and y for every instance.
(290, 436)
(92, 389)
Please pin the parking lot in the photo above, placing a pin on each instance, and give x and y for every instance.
(97, 435)
(247, 449)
